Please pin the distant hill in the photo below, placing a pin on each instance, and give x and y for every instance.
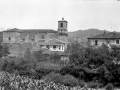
(82, 35)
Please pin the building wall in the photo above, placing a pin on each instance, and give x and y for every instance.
(51, 35)
(103, 41)
(47, 36)
(31, 37)
(64, 38)
(12, 35)
(62, 47)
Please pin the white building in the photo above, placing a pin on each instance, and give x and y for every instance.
(52, 44)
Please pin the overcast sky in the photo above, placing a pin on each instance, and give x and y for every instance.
(45, 14)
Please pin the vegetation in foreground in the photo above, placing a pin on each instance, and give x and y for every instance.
(94, 67)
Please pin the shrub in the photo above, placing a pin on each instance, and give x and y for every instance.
(94, 84)
(67, 79)
(7, 65)
(47, 65)
(52, 77)
(109, 86)
(4, 51)
(39, 56)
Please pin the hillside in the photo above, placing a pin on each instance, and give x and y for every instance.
(1, 37)
(81, 35)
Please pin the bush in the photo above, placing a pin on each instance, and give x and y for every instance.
(52, 77)
(109, 86)
(7, 65)
(76, 71)
(94, 84)
(67, 79)
(4, 51)
(47, 65)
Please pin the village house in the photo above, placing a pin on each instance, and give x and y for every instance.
(111, 38)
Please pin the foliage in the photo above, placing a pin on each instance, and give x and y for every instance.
(67, 79)
(29, 59)
(39, 56)
(97, 63)
(48, 65)
(55, 77)
(109, 86)
(13, 82)
(94, 85)
(4, 51)
(55, 57)
(76, 51)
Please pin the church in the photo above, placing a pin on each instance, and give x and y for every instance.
(18, 40)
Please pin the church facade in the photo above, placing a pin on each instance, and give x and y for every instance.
(18, 40)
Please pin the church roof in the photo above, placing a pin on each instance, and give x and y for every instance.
(110, 35)
(31, 30)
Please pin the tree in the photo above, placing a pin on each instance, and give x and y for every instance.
(55, 57)
(76, 51)
(39, 56)
(29, 58)
(4, 51)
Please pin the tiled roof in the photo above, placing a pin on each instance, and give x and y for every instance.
(52, 42)
(63, 34)
(111, 35)
(31, 30)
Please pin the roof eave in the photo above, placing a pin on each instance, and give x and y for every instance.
(103, 38)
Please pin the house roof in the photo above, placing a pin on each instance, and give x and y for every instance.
(31, 30)
(111, 35)
(52, 42)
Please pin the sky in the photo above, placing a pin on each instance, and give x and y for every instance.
(45, 14)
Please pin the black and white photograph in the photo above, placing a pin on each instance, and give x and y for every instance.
(59, 44)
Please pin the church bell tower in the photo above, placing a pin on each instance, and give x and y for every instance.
(62, 31)
(62, 27)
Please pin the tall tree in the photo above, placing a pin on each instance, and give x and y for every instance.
(4, 51)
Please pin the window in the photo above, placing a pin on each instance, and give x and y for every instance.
(43, 37)
(108, 42)
(32, 39)
(59, 47)
(48, 46)
(9, 38)
(62, 47)
(41, 46)
(23, 39)
(117, 41)
(61, 24)
(96, 42)
(54, 47)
